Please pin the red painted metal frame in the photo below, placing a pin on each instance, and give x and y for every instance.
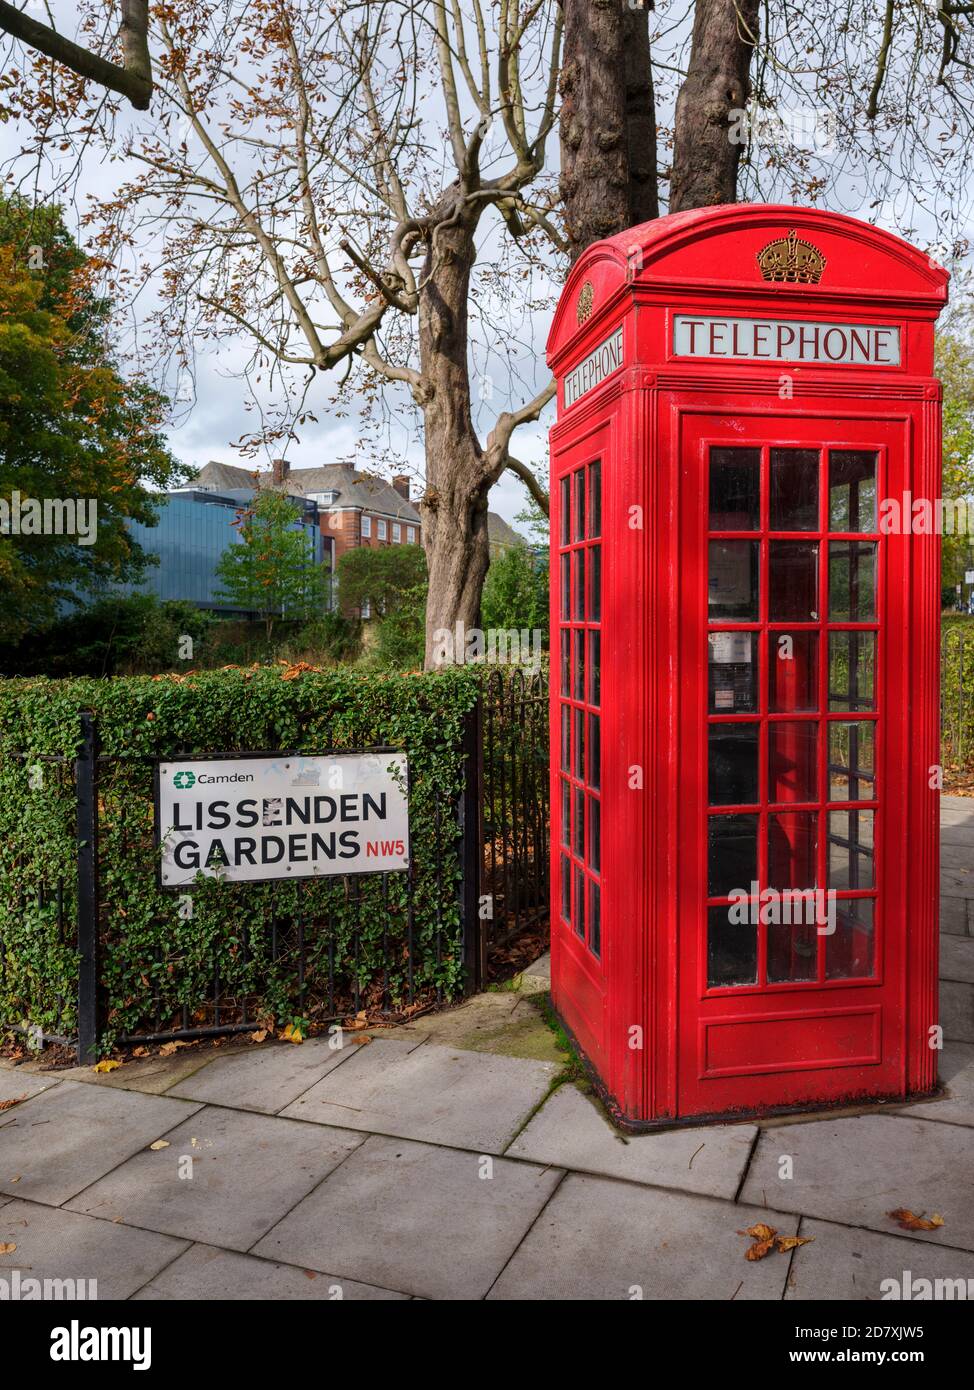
(664, 1047)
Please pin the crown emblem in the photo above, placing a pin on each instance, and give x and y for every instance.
(792, 260)
(586, 297)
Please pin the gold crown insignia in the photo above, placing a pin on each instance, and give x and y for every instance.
(789, 259)
(583, 308)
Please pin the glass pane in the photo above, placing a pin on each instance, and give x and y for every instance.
(794, 672)
(580, 505)
(793, 938)
(565, 511)
(852, 581)
(852, 490)
(732, 854)
(794, 489)
(791, 849)
(594, 668)
(565, 662)
(595, 596)
(579, 902)
(565, 589)
(566, 888)
(578, 838)
(851, 849)
(578, 559)
(732, 948)
(566, 813)
(793, 762)
(579, 667)
(849, 950)
(733, 672)
(852, 665)
(595, 499)
(594, 834)
(793, 581)
(579, 763)
(735, 483)
(852, 760)
(594, 919)
(594, 752)
(733, 589)
(733, 765)
(565, 737)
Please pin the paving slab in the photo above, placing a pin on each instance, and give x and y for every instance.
(265, 1079)
(442, 1095)
(205, 1273)
(599, 1239)
(957, 1075)
(537, 977)
(247, 1170)
(957, 959)
(58, 1244)
(956, 882)
(857, 1170)
(958, 856)
(954, 916)
(15, 1082)
(843, 1263)
(415, 1217)
(571, 1131)
(957, 1010)
(61, 1140)
(152, 1075)
(956, 809)
(958, 832)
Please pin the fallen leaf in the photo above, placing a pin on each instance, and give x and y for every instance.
(259, 1036)
(760, 1232)
(292, 1034)
(786, 1243)
(106, 1064)
(141, 1052)
(909, 1221)
(169, 1048)
(7, 1249)
(160, 1144)
(759, 1249)
(6, 1104)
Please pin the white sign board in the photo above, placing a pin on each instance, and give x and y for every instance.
(969, 576)
(599, 364)
(786, 340)
(248, 819)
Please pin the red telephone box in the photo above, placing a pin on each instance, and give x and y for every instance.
(744, 695)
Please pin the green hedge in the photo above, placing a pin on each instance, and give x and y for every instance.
(154, 964)
(957, 692)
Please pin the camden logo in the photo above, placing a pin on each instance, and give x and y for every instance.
(184, 780)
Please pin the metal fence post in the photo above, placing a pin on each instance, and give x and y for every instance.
(469, 807)
(86, 790)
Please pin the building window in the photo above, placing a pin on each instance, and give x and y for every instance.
(381, 529)
(366, 527)
(366, 609)
(411, 534)
(396, 532)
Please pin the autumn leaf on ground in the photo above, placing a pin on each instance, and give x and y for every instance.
(6, 1104)
(292, 1034)
(106, 1064)
(259, 1036)
(170, 1047)
(361, 1020)
(7, 1249)
(909, 1221)
(760, 1232)
(785, 1243)
(160, 1144)
(759, 1249)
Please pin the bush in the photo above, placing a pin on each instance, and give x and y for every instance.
(155, 963)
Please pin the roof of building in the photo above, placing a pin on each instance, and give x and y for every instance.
(354, 489)
(500, 533)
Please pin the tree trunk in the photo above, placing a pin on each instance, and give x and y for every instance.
(608, 125)
(717, 82)
(454, 507)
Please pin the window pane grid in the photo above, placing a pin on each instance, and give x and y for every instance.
(807, 795)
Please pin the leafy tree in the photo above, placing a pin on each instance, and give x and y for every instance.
(122, 633)
(381, 577)
(273, 570)
(516, 592)
(72, 430)
(955, 367)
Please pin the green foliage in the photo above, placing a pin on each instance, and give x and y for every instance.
(401, 636)
(154, 962)
(70, 426)
(386, 577)
(124, 633)
(516, 592)
(273, 570)
(957, 691)
(955, 367)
